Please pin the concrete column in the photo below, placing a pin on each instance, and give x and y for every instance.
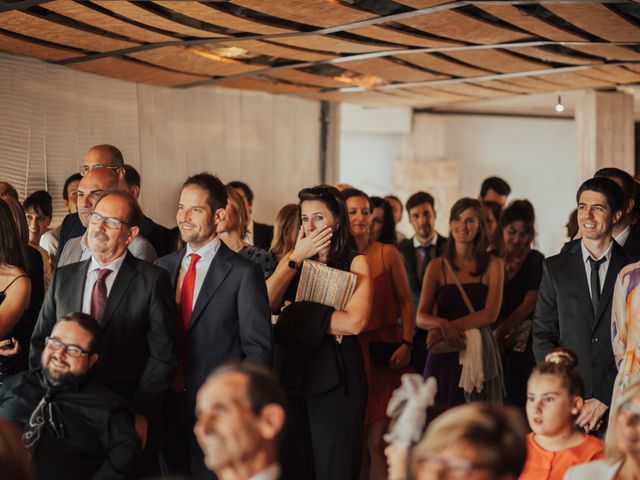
(604, 122)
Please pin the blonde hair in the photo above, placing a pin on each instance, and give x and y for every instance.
(612, 452)
(496, 433)
(286, 219)
(236, 202)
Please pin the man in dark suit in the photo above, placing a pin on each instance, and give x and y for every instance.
(417, 251)
(240, 417)
(225, 311)
(131, 299)
(574, 299)
(258, 234)
(623, 233)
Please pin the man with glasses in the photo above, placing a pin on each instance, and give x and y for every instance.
(73, 426)
(92, 185)
(132, 300)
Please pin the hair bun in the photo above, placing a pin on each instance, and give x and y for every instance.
(562, 356)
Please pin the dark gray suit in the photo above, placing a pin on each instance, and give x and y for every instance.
(136, 359)
(230, 320)
(564, 317)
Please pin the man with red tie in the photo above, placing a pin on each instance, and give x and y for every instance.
(132, 301)
(224, 309)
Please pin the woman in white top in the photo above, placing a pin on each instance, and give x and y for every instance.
(622, 452)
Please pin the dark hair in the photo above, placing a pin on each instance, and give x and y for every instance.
(262, 386)
(41, 203)
(348, 193)
(76, 177)
(388, 233)
(628, 183)
(286, 219)
(519, 211)
(480, 243)
(496, 184)
(134, 214)
(419, 198)
(237, 204)
(572, 224)
(607, 187)
(245, 188)
(7, 190)
(131, 176)
(562, 362)
(343, 246)
(214, 187)
(393, 197)
(88, 323)
(10, 242)
(495, 239)
(19, 218)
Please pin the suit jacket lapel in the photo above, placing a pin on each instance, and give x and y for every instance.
(616, 263)
(76, 295)
(218, 270)
(581, 279)
(125, 276)
(174, 267)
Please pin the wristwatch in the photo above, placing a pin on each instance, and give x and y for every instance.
(292, 264)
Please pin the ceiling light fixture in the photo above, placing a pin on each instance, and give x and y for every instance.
(559, 105)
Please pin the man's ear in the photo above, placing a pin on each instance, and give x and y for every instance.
(630, 204)
(133, 233)
(134, 190)
(93, 359)
(617, 216)
(219, 215)
(271, 421)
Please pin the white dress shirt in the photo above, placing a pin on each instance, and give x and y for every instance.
(207, 253)
(92, 276)
(419, 252)
(622, 237)
(602, 270)
(272, 472)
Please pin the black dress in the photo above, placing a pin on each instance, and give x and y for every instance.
(9, 366)
(517, 366)
(326, 398)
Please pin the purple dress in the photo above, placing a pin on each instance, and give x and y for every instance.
(445, 366)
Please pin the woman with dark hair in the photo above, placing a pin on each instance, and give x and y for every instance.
(462, 291)
(317, 355)
(38, 210)
(15, 291)
(390, 327)
(492, 211)
(285, 231)
(233, 229)
(383, 226)
(523, 273)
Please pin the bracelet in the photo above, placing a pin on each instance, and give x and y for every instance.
(407, 343)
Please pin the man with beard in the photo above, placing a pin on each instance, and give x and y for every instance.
(72, 426)
(133, 302)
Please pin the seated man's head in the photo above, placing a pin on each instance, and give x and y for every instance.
(240, 411)
(72, 348)
(90, 188)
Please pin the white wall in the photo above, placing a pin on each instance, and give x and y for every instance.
(536, 156)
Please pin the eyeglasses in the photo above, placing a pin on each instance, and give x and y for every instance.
(84, 169)
(71, 350)
(110, 222)
(455, 467)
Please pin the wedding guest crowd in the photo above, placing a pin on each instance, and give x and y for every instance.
(327, 346)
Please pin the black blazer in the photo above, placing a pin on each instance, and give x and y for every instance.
(137, 358)
(160, 237)
(631, 246)
(564, 317)
(262, 235)
(409, 254)
(71, 227)
(231, 317)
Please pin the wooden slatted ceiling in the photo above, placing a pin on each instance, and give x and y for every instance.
(610, 52)
(328, 43)
(146, 17)
(136, 72)
(299, 76)
(459, 26)
(575, 81)
(209, 14)
(430, 92)
(320, 13)
(551, 56)
(531, 24)
(84, 14)
(36, 27)
(502, 86)
(534, 84)
(266, 85)
(185, 60)
(266, 48)
(389, 70)
(422, 3)
(439, 64)
(31, 49)
(471, 90)
(613, 74)
(401, 38)
(497, 60)
(598, 20)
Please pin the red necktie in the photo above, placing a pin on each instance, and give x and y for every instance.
(99, 294)
(186, 307)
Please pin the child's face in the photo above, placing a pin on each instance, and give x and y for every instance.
(550, 408)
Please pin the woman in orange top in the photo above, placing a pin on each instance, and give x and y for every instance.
(554, 399)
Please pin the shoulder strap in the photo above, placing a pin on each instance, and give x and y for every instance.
(463, 294)
(11, 282)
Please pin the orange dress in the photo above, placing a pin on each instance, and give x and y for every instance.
(542, 464)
